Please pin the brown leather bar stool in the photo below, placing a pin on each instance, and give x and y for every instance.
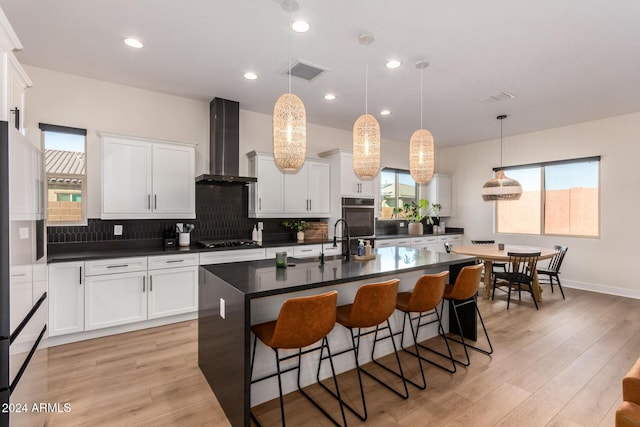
(374, 303)
(424, 300)
(464, 292)
(301, 322)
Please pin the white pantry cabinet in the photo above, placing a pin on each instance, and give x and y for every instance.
(66, 298)
(173, 285)
(143, 178)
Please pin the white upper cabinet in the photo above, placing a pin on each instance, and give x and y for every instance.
(349, 183)
(266, 197)
(439, 191)
(307, 192)
(303, 194)
(147, 179)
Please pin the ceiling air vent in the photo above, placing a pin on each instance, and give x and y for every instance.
(304, 71)
(500, 96)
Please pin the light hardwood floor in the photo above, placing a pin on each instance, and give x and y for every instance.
(559, 366)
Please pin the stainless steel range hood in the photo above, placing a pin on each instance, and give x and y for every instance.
(224, 144)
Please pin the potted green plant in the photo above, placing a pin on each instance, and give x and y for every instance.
(298, 227)
(412, 212)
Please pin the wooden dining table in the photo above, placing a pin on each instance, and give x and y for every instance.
(490, 254)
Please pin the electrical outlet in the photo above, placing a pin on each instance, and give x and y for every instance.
(401, 224)
(260, 225)
(222, 308)
(117, 230)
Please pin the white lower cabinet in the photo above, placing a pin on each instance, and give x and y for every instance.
(406, 241)
(115, 299)
(66, 298)
(426, 241)
(172, 291)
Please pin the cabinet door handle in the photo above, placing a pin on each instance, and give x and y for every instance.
(174, 260)
(306, 250)
(16, 123)
(144, 283)
(309, 204)
(80, 275)
(149, 201)
(259, 203)
(150, 283)
(118, 266)
(155, 201)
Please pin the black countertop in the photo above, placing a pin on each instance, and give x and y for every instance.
(88, 252)
(262, 278)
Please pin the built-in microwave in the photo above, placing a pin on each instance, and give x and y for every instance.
(359, 212)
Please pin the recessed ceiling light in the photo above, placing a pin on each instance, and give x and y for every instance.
(394, 63)
(250, 76)
(300, 26)
(135, 43)
(385, 112)
(329, 97)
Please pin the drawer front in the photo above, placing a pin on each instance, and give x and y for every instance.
(393, 242)
(307, 251)
(423, 241)
(172, 261)
(221, 257)
(115, 265)
(453, 238)
(270, 253)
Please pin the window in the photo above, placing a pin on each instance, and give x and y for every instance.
(558, 198)
(396, 188)
(66, 176)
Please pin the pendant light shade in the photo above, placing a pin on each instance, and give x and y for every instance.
(421, 145)
(366, 147)
(289, 133)
(501, 187)
(366, 131)
(421, 156)
(289, 121)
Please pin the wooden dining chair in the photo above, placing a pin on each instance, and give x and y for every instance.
(522, 267)
(553, 270)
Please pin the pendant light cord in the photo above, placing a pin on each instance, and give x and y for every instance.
(366, 83)
(501, 143)
(421, 96)
(290, 16)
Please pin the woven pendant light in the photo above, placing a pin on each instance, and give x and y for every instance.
(421, 145)
(366, 132)
(501, 187)
(289, 125)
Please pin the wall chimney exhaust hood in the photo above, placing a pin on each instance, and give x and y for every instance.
(224, 144)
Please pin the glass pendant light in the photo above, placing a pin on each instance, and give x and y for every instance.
(289, 123)
(421, 145)
(366, 131)
(501, 187)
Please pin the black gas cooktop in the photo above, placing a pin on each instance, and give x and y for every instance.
(226, 243)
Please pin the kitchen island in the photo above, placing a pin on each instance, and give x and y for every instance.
(233, 296)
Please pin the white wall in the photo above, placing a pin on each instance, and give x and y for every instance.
(70, 100)
(592, 263)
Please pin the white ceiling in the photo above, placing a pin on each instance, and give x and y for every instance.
(566, 61)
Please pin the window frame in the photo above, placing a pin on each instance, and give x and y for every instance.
(46, 127)
(395, 171)
(543, 207)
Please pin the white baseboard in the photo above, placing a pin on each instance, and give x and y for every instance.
(603, 289)
(81, 336)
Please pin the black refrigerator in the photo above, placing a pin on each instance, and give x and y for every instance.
(23, 282)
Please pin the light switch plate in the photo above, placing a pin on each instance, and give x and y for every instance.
(222, 308)
(401, 224)
(117, 230)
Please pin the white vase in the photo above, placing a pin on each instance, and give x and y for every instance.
(300, 236)
(415, 228)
